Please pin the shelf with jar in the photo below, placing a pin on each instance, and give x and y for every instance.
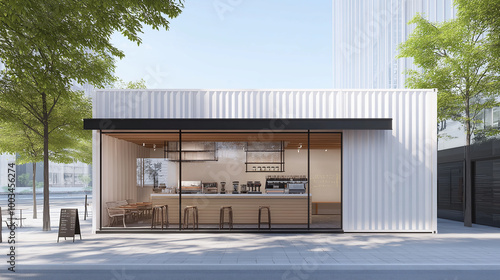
(265, 157)
(191, 151)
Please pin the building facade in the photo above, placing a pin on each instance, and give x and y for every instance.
(365, 159)
(366, 36)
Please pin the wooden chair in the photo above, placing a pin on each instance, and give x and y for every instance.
(159, 215)
(194, 211)
(115, 214)
(221, 218)
(268, 215)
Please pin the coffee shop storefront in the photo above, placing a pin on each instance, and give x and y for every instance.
(264, 160)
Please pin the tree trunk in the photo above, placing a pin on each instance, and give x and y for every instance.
(46, 210)
(468, 176)
(34, 191)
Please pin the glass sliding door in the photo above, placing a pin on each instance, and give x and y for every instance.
(326, 180)
(247, 172)
(137, 176)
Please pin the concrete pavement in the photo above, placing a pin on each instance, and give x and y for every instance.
(293, 256)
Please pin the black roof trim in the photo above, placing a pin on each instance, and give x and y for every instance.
(237, 124)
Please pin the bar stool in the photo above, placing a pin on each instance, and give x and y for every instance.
(194, 211)
(230, 214)
(158, 212)
(268, 215)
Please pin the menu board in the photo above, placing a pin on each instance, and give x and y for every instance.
(69, 224)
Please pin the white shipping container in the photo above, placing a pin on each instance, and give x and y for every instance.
(389, 177)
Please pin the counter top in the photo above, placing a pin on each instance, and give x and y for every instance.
(230, 195)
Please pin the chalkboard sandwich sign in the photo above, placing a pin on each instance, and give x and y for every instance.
(69, 224)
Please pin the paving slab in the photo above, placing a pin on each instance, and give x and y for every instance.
(454, 247)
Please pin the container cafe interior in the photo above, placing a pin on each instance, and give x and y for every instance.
(222, 179)
(297, 175)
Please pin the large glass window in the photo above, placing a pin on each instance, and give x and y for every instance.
(256, 170)
(244, 180)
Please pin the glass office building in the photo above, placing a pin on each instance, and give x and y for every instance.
(366, 35)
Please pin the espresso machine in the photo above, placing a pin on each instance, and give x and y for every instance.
(235, 187)
(209, 187)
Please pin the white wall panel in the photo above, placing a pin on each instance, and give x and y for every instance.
(118, 173)
(389, 177)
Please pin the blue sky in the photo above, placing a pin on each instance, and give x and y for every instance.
(236, 44)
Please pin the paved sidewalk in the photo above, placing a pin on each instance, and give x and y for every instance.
(454, 247)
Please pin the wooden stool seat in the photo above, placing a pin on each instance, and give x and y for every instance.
(194, 211)
(158, 215)
(230, 214)
(268, 215)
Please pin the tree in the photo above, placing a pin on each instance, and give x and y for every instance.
(456, 58)
(482, 12)
(19, 139)
(65, 145)
(46, 46)
(139, 84)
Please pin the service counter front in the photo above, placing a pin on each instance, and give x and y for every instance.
(285, 208)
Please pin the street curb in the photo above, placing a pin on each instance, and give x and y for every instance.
(56, 192)
(305, 267)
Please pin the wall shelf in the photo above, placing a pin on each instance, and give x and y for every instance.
(191, 151)
(265, 157)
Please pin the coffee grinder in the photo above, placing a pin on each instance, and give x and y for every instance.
(257, 186)
(243, 188)
(235, 187)
(223, 187)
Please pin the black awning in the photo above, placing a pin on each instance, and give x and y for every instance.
(237, 124)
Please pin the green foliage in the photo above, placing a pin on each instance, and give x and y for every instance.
(25, 180)
(23, 133)
(85, 179)
(120, 84)
(46, 47)
(456, 58)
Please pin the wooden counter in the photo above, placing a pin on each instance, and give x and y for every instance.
(285, 208)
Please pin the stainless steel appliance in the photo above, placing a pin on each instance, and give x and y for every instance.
(243, 188)
(292, 184)
(254, 187)
(257, 186)
(210, 187)
(296, 188)
(191, 187)
(222, 187)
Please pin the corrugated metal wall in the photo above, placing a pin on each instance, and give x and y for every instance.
(389, 177)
